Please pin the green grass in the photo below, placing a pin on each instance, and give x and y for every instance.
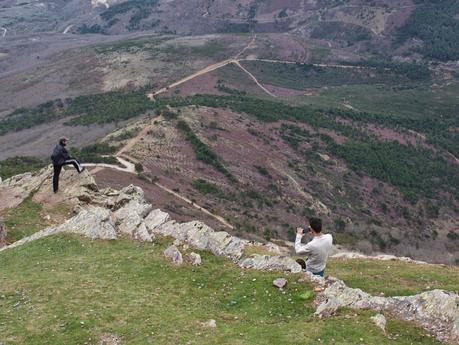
(27, 218)
(68, 290)
(394, 278)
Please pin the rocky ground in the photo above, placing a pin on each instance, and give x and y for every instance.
(111, 214)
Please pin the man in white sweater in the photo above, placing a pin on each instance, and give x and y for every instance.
(316, 250)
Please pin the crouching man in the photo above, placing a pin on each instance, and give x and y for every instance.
(61, 157)
(317, 250)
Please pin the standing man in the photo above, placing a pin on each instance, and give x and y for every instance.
(316, 250)
(61, 157)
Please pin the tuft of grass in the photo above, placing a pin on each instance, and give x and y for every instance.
(394, 278)
(69, 290)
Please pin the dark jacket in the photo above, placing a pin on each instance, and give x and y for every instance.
(60, 155)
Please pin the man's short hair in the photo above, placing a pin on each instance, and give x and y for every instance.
(316, 224)
(62, 139)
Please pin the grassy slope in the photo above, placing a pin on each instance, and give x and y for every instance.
(394, 277)
(64, 289)
(29, 217)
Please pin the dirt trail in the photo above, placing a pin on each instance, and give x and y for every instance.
(254, 79)
(130, 144)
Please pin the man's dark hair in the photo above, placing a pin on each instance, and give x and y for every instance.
(63, 140)
(316, 224)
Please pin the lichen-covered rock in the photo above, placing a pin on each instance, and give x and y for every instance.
(436, 310)
(194, 259)
(93, 222)
(155, 219)
(130, 217)
(127, 194)
(269, 263)
(173, 254)
(380, 321)
(202, 237)
(141, 234)
(17, 188)
(280, 282)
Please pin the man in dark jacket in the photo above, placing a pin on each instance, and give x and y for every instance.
(61, 157)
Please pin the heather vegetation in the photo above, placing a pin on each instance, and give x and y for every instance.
(435, 24)
(415, 170)
(203, 152)
(18, 165)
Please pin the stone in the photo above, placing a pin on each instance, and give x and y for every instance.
(109, 339)
(209, 323)
(94, 222)
(128, 194)
(380, 321)
(130, 216)
(280, 282)
(194, 259)
(269, 263)
(174, 255)
(155, 219)
(141, 234)
(16, 189)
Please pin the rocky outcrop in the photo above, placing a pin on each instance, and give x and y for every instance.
(381, 257)
(436, 310)
(94, 222)
(270, 263)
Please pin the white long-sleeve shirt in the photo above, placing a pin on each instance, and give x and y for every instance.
(317, 251)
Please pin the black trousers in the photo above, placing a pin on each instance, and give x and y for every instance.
(58, 169)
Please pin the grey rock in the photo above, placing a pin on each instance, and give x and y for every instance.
(269, 263)
(436, 310)
(380, 321)
(130, 217)
(141, 234)
(280, 282)
(194, 259)
(174, 255)
(155, 219)
(93, 222)
(209, 323)
(128, 194)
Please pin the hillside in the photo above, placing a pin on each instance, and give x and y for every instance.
(117, 287)
(402, 26)
(265, 142)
